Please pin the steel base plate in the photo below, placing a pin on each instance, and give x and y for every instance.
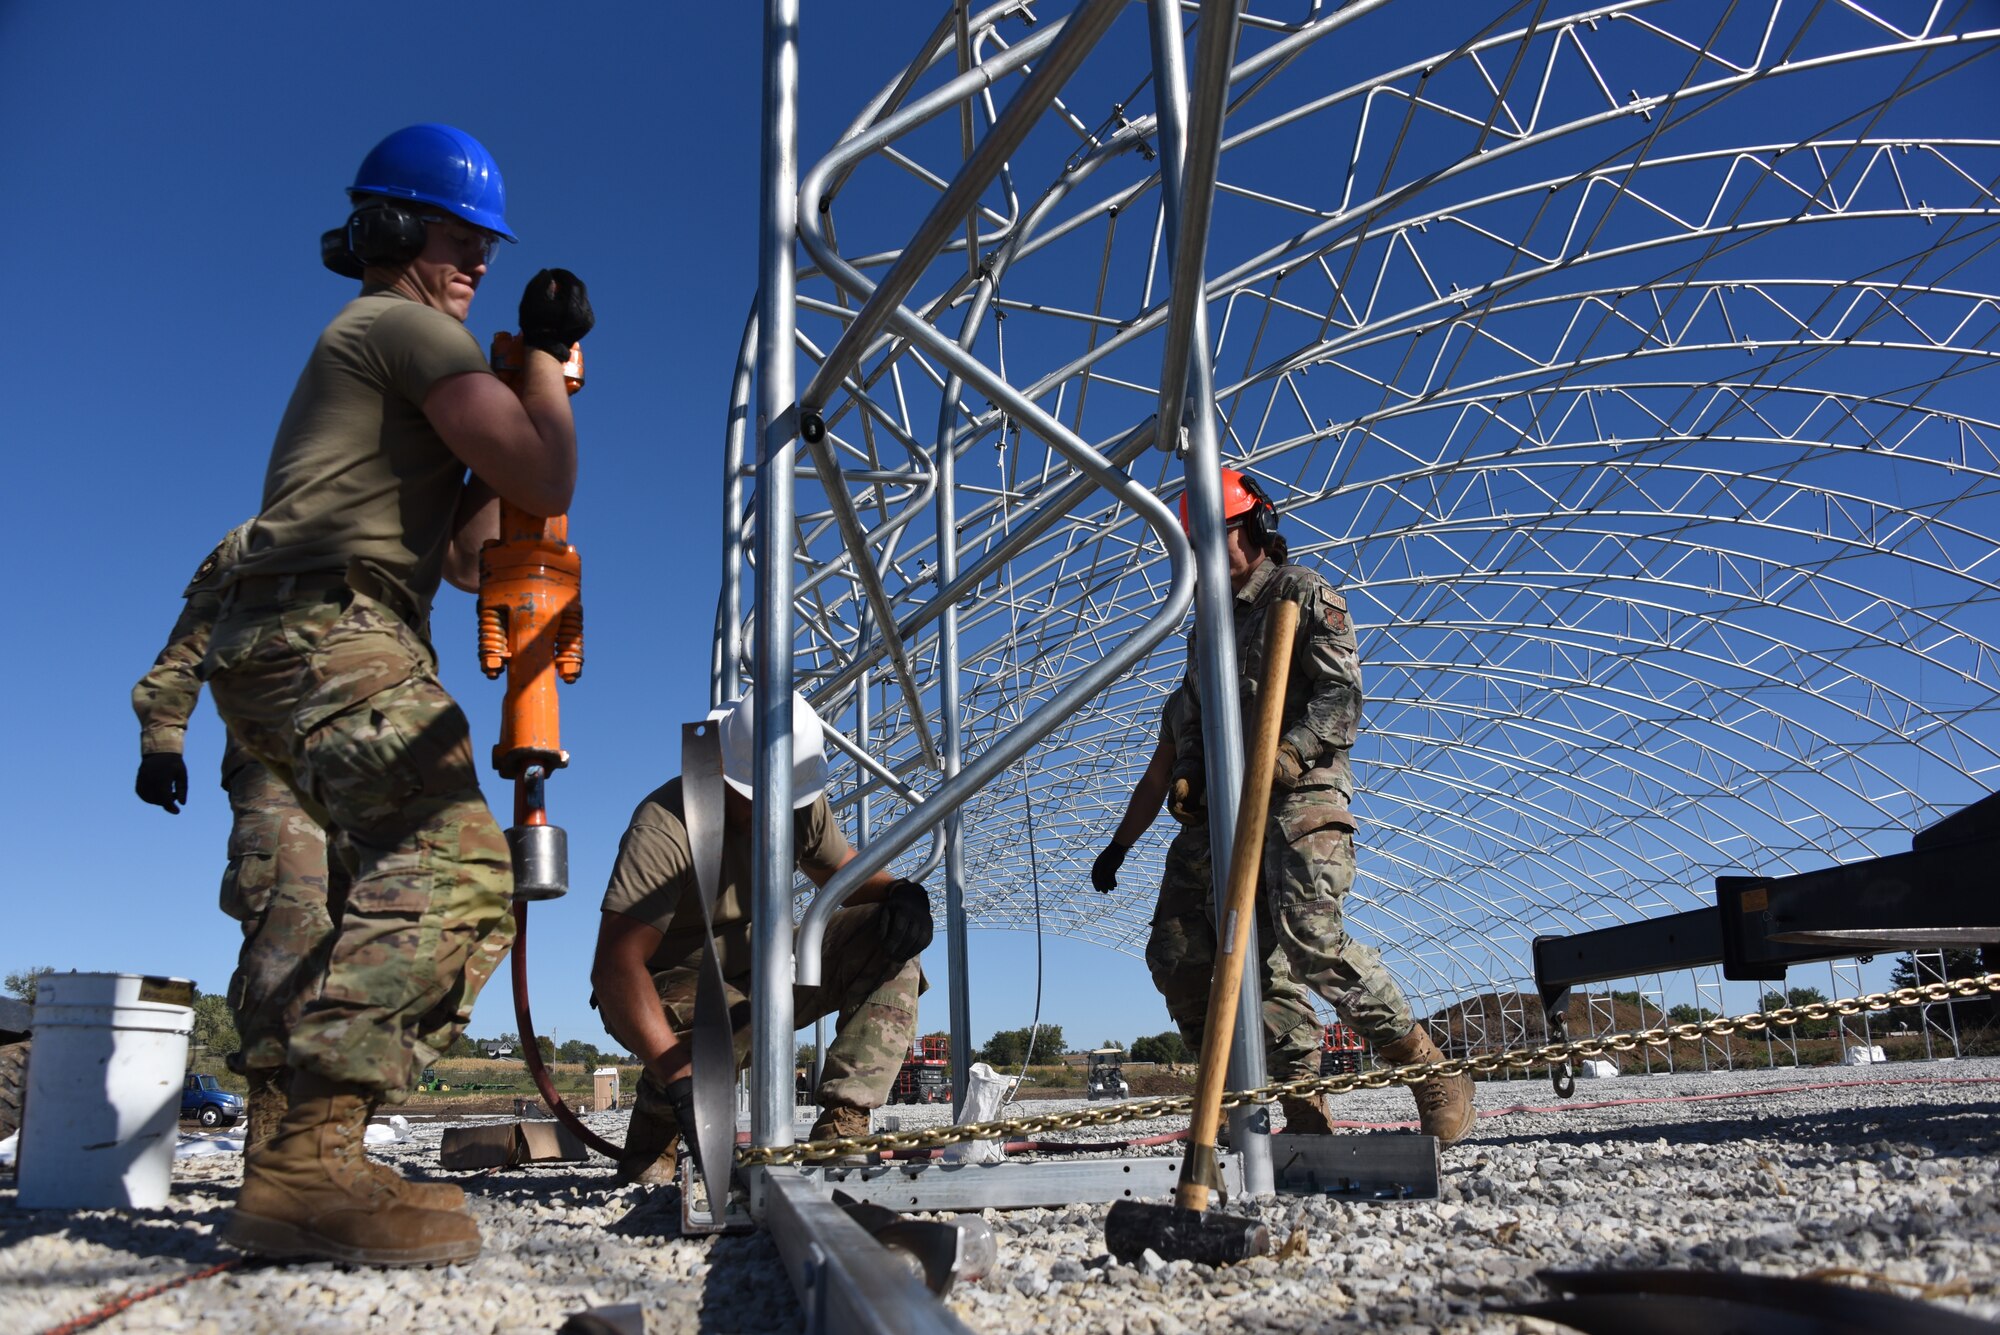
(1357, 1168)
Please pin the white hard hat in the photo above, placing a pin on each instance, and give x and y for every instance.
(739, 754)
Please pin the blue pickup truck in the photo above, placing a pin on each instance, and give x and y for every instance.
(208, 1102)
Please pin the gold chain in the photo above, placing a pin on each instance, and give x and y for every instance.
(1516, 1059)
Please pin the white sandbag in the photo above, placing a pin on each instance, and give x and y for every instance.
(984, 1089)
(1598, 1070)
(394, 1132)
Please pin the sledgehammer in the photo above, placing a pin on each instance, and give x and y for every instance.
(1185, 1230)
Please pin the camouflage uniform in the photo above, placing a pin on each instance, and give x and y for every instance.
(336, 691)
(1309, 838)
(872, 996)
(288, 894)
(276, 883)
(1180, 951)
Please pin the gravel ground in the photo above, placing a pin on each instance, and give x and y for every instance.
(1895, 1176)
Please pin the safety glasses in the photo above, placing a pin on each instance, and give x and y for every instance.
(466, 237)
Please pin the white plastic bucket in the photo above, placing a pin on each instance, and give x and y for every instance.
(104, 1090)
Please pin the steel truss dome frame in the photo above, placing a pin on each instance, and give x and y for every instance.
(1631, 369)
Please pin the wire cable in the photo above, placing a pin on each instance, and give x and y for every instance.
(1027, 784)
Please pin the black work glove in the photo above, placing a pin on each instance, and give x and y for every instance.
(680, 1093)
(163, 781)
(1187, 800)
(1104, 871)
(555, 312)
(905, 920)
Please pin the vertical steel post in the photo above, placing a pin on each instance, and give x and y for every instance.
(771, 1028)
(726, 671)
(958, 961)
(957, 956)
(1215, 625)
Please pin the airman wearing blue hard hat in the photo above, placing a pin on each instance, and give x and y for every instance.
(321, 665)
(441, 165)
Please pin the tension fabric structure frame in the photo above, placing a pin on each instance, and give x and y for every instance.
(1622, 365)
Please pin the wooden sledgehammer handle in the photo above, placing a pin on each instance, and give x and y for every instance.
(1246, 860)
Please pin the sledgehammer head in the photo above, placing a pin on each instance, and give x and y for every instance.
(1178, 1234)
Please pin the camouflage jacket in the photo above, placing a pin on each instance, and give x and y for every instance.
(1322, 692)
(165, 697)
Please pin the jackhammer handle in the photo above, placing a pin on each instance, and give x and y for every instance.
(1246, 861)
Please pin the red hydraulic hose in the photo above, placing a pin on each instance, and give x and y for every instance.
(117, 1306)
(531, 1048)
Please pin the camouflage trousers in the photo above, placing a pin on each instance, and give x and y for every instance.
(873, 996)
(1308, 870)
(1181, 952)
(339, 697)
(285, 891)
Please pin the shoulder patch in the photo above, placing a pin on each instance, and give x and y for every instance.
(1300, 582)
(1335, 613)
(206, 572)
(218, 561)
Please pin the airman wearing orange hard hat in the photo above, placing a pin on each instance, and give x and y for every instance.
(1309, 838)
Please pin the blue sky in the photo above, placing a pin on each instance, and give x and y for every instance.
(169, 172)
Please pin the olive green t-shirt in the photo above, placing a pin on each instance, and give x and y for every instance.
(358, 476)
(1173, 716)
(653, 879)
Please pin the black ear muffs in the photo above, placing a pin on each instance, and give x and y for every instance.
(385, 234)
(377, 233)
(334, 254)
(1260, 526)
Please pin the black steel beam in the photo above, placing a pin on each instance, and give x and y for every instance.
(1748, 953)
(1928, 898)
(1981, 820)
(1655, 945)
(1945, 891)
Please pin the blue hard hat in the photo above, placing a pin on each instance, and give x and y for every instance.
(441, 165)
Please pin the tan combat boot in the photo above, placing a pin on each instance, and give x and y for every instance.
(311, 1193)
(839, 1123)
(1444, 1105)
(267, 1108)
(423, 1195)
(1307, 1117)
(652, 1154)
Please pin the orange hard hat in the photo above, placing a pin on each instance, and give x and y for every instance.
(1240, 497)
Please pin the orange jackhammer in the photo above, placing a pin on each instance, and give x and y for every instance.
(531, 628)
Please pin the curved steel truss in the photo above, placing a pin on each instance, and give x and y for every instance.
(1631, 368)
